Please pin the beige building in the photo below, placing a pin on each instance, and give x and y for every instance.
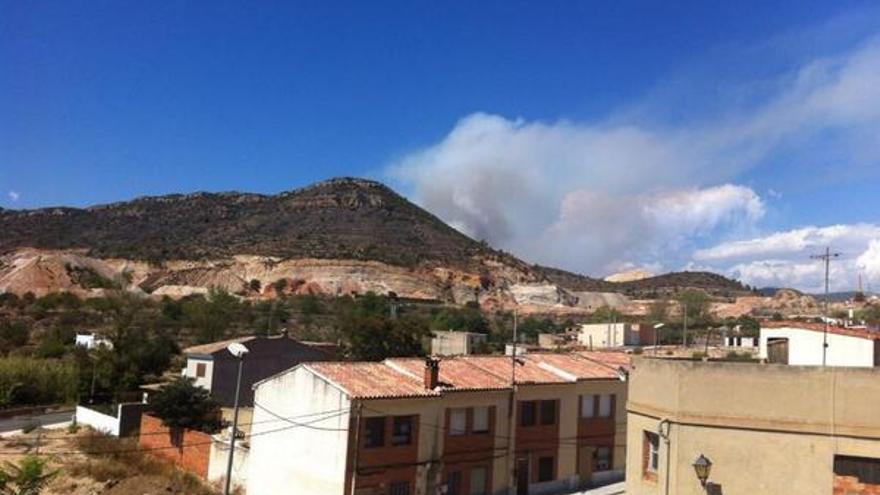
(408, 426)
(767, 429)
(605, 335)
(457, 343)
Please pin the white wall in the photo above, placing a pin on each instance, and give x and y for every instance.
(98, 421)
(746, 342)
(220, 457)
(607, 335)
(805, 347)
(285, 459)
(190, 372)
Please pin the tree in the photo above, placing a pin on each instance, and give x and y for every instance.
(279, 286)
(658, 311)
(369, 333)
(604, 314)
(749, 326)
(28, 477)
(696, 303)
(211, 317)
(254, 285)
(180, 404)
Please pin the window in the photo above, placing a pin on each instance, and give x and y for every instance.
(548, 412)
(399, 488)
(201, 368)
(865, 469)
(588, 406)
(374, 434)
(481, 419)
(527, 413)
(402, 432)
(546, 466)
(651, 452)
(605, 406)
(453, 483)
(457, 421)
(478, 481)
(602, 455)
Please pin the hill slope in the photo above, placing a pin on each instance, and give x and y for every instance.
(336, 219)
(334, 237)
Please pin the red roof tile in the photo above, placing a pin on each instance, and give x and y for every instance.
(403, 377)
(371, 380)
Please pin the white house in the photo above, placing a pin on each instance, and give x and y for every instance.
(91, 340)
(801, 344)
(599, 335)
(740, 342)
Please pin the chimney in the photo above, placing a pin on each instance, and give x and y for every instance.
(432, 373)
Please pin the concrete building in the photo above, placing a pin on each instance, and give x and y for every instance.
(801, 344)
(92, 340)
(457, 343)
(739, 342)
(605, 335)
(409, 426)
(767, 429)
(212, 367)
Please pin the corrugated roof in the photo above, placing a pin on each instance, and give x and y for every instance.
(820, 327)
(403, 377)
(213, 347)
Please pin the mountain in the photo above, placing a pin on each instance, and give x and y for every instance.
(339, 236)
(337, 219)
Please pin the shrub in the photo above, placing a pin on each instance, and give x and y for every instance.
(29, 381)
(28, 477)
(180, 404)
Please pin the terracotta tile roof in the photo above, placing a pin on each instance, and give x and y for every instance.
(403, 377)
(581, 366)
(370, 380)
(529, 372)
(455, 374)
(820, 327)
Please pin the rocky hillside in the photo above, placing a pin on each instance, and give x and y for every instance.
(335, 237)
(336, 219)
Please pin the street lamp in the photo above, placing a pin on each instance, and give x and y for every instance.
(238, 350)
(703, 466)
(657, 326)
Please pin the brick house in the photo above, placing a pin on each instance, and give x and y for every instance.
(407, 426)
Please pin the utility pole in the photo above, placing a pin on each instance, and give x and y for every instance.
(684, 327)
(826, 257)
(239, 351)
(511, 410)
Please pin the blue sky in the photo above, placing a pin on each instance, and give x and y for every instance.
(596, 136)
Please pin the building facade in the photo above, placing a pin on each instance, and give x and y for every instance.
(212, 367)
(409, 426)
(766, 428)
(800, 343)
(457, 343)
(605, 335)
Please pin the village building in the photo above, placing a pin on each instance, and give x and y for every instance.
(801, 343)
(92, 340)
(212, 367)
(609, 335)
(453, 343)
(806, 430)
(408, 426)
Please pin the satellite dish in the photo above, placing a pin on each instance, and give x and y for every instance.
(237, 350)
